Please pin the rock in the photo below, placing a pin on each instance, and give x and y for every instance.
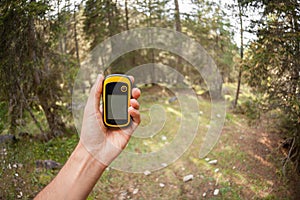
(188, 178)
(20, 195)
(147, 172)
(172, 99)
(163, 138)
(7, 138)
(216, 192)
(213, 162)
(122, 195)
(135, 191)
(204, 194)
(161, 185)
(164, 164)
(47, 164)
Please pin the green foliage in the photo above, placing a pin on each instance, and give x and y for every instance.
(20, 158)
(252, 108)
(210, 26)
(3, 115)
(273, 61)
(34, 64)
(102, 20)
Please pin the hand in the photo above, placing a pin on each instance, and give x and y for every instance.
(104, 143)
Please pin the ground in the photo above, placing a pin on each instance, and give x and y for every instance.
(249, 167)
(249, 162)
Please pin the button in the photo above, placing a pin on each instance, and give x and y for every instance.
(124, 88)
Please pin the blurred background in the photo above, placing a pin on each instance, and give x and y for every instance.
(255, 45)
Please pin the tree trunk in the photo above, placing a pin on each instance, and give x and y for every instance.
(56, 126)
(126, 15)
(178, 28)
(75, 38)
(242, 56)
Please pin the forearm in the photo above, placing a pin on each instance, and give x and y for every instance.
(76, 179)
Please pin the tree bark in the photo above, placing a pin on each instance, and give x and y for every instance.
(56, 126)
(75, 37)
(178, 28)
(242, 56)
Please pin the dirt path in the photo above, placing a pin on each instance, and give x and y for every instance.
(248, 167)
(262, 144)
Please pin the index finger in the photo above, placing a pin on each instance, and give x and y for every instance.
(131, 79)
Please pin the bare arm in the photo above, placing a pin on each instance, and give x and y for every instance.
(97, 148)
(77, 177)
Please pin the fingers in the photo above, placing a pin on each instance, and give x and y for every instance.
(136, 93)
(132, 79)
(98, 91)
(95, 94)
(135, 114)
(135, 104)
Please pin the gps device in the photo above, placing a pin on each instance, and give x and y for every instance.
(116, 100)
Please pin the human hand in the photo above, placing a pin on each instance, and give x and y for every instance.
(104, 143)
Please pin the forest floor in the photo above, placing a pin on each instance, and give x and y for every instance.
(249, 166)
(248, 153)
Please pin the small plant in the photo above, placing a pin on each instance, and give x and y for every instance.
(251, 108)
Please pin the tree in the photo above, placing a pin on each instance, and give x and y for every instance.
(240, 14)
(273, 65)
(102, 20)
(31, 66)
(210, 26)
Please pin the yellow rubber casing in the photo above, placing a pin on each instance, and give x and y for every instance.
(116, 78)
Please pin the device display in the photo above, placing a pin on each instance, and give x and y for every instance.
(116, 100)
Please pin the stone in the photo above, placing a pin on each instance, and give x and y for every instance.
(213, 162)
(172, 99)
(164, 164)
(135, 191)
(188, 178)
(47, 164)
(7, 139)
(147, 172)
(216, 192)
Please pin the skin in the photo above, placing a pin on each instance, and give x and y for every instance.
(97, 148)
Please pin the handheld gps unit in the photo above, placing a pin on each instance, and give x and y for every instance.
(116, 100)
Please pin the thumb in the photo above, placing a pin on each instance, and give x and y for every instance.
(96, 92)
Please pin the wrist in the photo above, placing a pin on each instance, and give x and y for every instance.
(82, 155)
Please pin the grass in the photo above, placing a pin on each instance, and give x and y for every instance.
(238, 174)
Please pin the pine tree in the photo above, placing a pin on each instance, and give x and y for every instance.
(273, 65)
